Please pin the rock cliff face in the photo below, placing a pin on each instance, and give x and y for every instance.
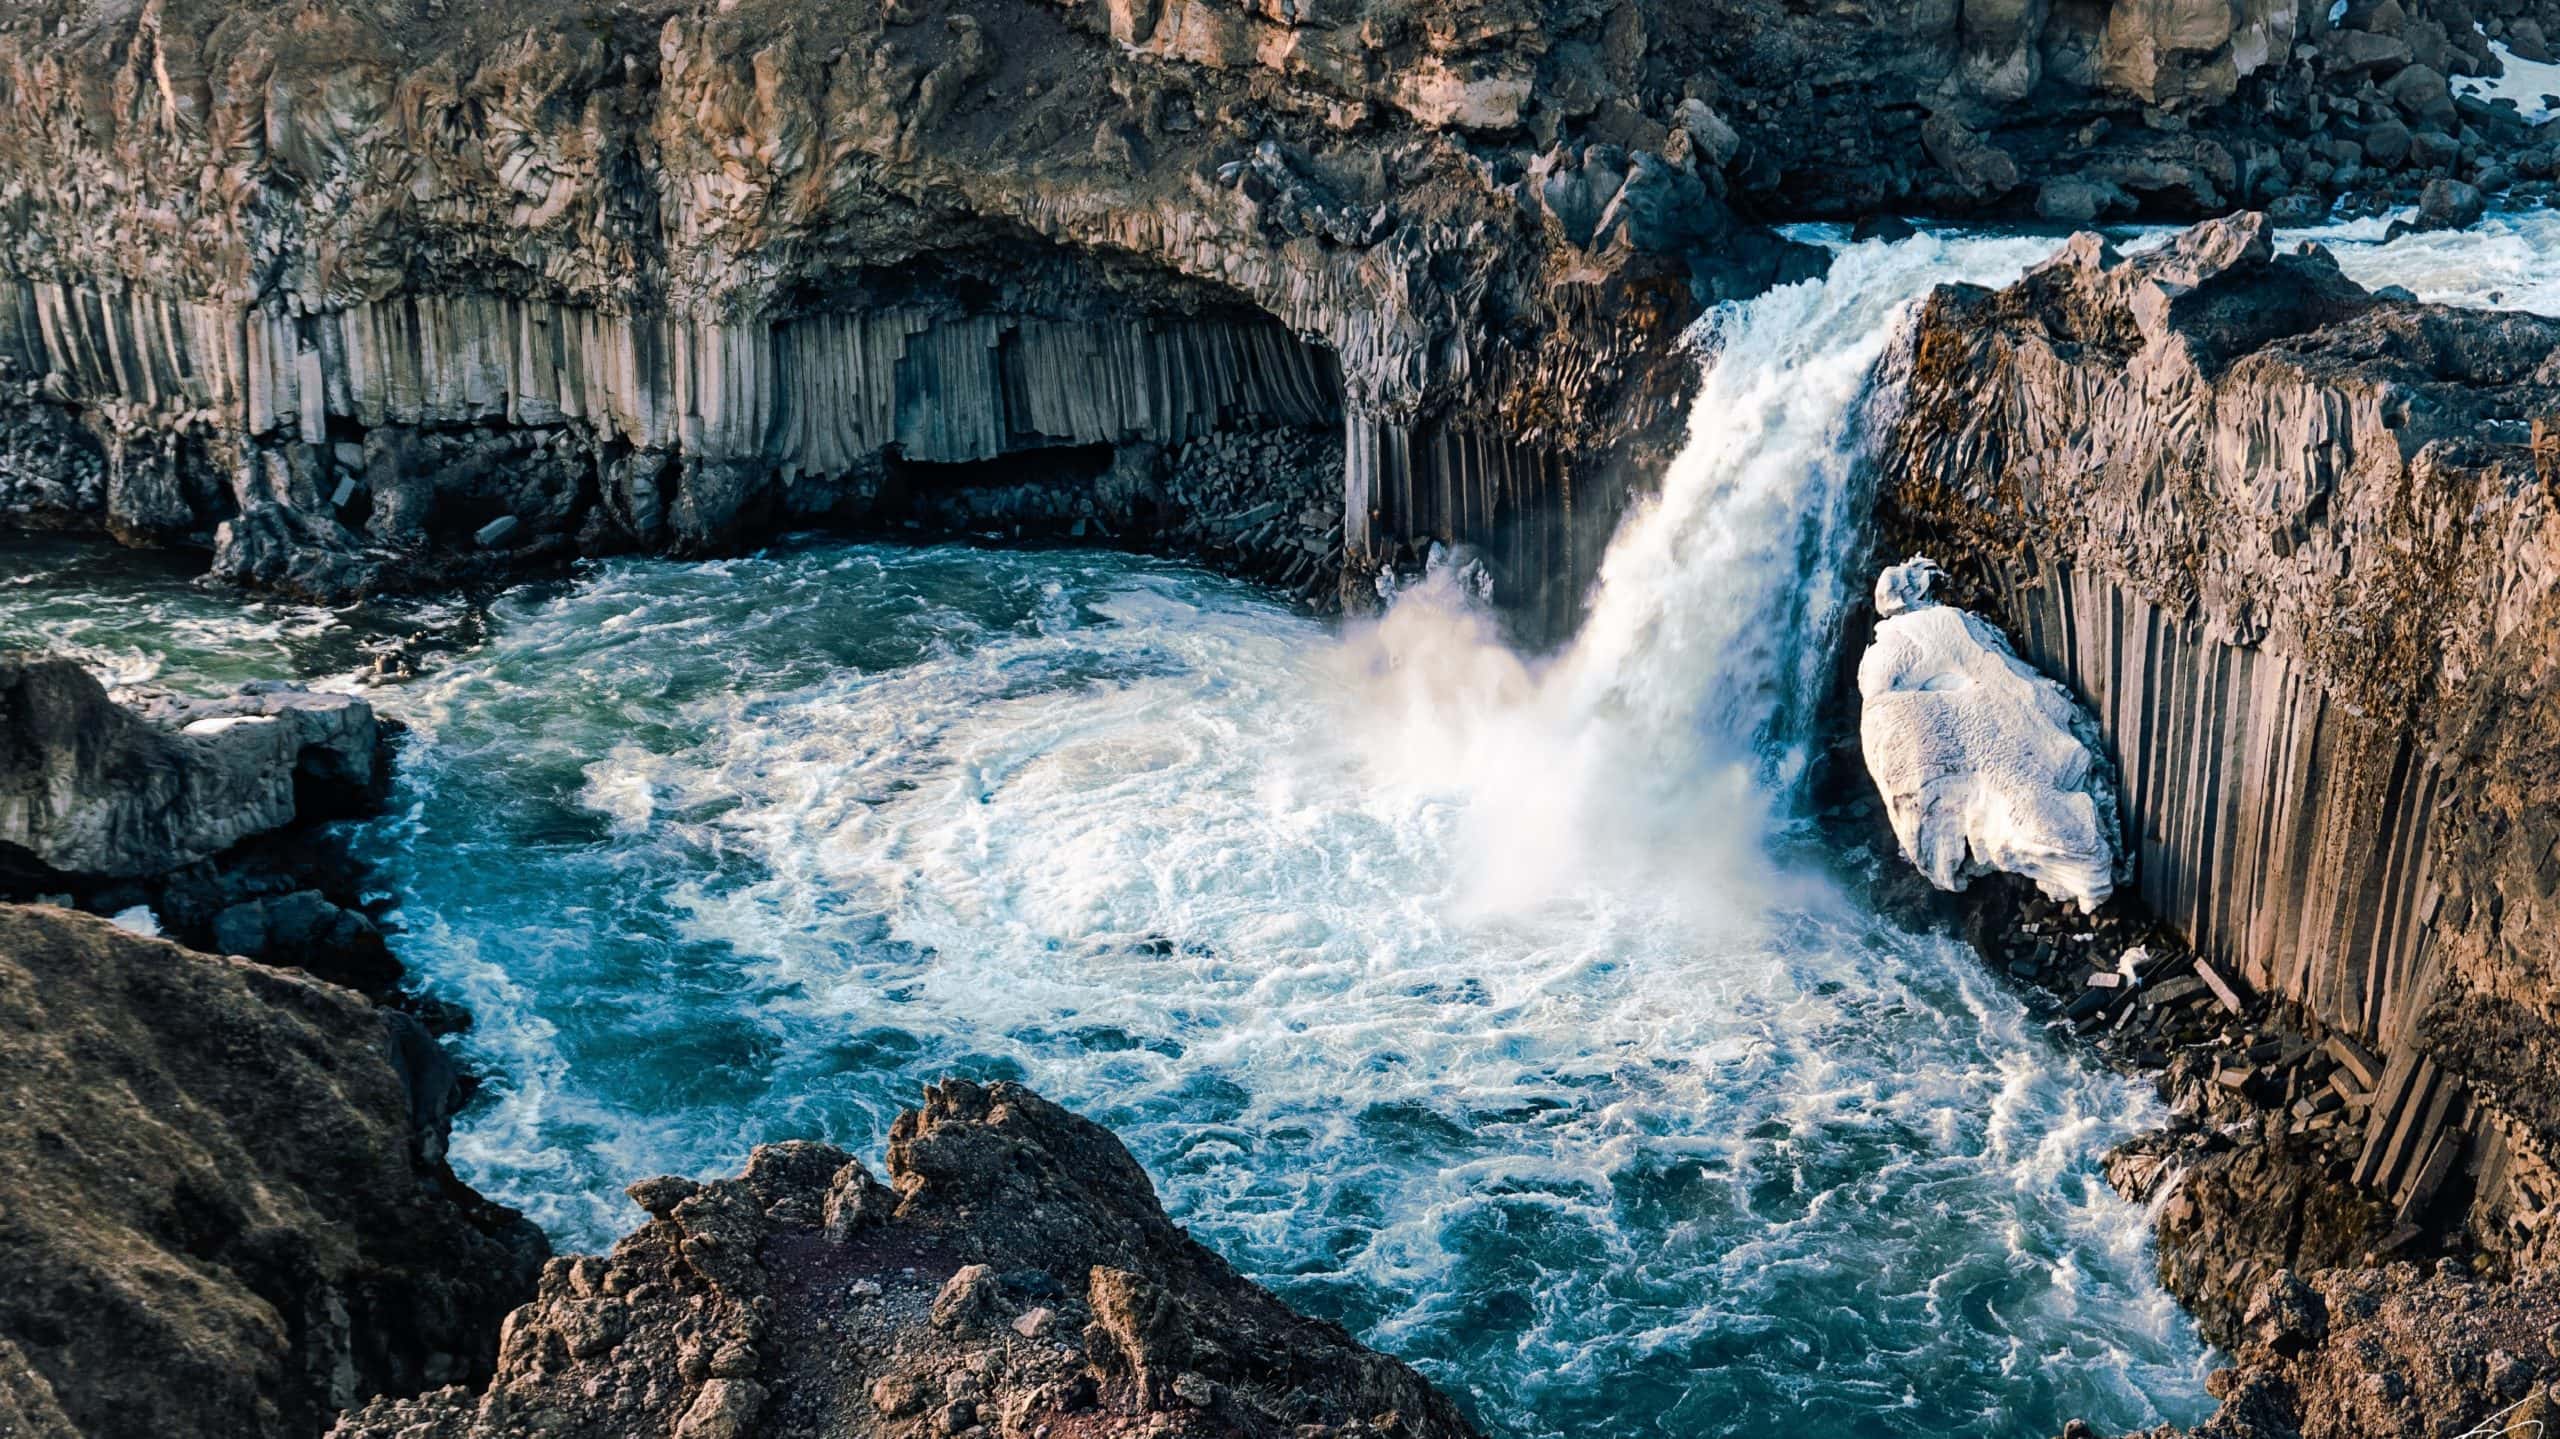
(388, 295)
(227, 1211)
(2292, 544)
(1014, 1277)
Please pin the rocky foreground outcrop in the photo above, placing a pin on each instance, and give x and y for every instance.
(1014, 1277)
(393, 294)
(226, 1209)
(2293, 545)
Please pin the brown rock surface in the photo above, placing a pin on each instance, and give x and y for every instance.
(223, 1216)
(407, 292)
(1016, 1277)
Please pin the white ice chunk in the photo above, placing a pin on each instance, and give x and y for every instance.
(1984, 764)
(139, 919)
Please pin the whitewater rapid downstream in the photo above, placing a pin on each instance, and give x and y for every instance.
(1507, 1010)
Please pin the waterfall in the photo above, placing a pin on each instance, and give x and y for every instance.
(1670, 737)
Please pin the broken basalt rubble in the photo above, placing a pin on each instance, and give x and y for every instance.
(1015, 1276)
(227, 1208)
(2302, 1190)
(199, 811)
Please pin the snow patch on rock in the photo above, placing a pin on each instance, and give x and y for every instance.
(137, 920)
(2530, 84)
(1984, 764)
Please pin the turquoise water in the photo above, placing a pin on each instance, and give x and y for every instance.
(1503, 1009)
(728, 852)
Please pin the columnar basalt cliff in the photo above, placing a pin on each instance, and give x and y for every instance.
(228, 1210)
(2291, 542)
(388, 297)
(1014, 1277)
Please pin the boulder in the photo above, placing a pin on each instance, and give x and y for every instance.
(90, 789)
(2423, 95)
(1980, 168)
(2433, 150)
(2386, 143)
(2449, 205)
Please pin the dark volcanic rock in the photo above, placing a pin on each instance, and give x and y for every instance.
(2449, 205)
(411, 292)
(90, 789)
(1015, 1274)
(225, 1211)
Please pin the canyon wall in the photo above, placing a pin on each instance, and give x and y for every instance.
(2292, 544)
(420, 292)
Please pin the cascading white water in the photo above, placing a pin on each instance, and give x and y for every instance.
(1482, 1003)
(1690, 690)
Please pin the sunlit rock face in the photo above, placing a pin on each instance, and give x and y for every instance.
(1985, 765)
(2293, 540)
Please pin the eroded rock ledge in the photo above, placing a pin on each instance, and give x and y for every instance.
(227, 1210)
(1015, 1276)
(2292, 544)
(201, 811)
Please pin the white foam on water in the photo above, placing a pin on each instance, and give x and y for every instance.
(2510, 260)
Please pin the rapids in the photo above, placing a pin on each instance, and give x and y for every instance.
(1508, 1009)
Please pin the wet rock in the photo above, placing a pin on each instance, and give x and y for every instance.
(307, 931)
(2450, 205)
